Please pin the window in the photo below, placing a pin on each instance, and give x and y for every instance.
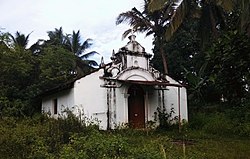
(55, 106)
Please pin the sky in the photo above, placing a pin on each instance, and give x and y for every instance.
(94, 18)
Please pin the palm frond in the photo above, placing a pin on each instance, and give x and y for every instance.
(67, 43)
(244, 17)
(87, 55)
(177, 18)
(57, 36)
(137, 21)
(132, 18)
(92, 63)
(129, 18)
(156, 5)
(142, 18)
(86, 44)
(20, 39)
(227, 5)
(27, 37)
(12, 37)
(149, 33)
(126, 33)
(75, 42)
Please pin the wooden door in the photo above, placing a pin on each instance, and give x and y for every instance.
(136, 108)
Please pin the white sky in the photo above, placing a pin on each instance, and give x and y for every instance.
(94, 18)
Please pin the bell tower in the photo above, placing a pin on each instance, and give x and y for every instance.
(132, 55)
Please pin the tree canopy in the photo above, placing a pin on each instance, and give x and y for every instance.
(204, 42)
(27, 72)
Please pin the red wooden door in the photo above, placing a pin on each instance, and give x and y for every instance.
(136, 108)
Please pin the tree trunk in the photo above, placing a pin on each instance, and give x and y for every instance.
(164, 61)
(160, 42)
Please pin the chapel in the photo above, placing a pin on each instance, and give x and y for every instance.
(126, 91)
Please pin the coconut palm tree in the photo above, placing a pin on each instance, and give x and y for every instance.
(150, 22)
(74, 45)
(78, 48)
(57, 37)
(20, 40)
(211, 13)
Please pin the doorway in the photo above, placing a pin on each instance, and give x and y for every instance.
(136, 107)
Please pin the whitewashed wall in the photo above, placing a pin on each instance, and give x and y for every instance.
(121, 107)
(153, 103)
(136, 61)
(65, 99)
(172, 99)
(90, 98)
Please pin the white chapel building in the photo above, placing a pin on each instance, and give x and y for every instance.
(127, 90)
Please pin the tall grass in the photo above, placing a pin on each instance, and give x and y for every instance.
(205, 136)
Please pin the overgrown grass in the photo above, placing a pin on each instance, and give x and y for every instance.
(216, 134)
(42, 137)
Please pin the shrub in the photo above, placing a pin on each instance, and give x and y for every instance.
(166, 119)
(218, 124)
(19, 139)
(14, 108)
(242, 129)
(95, 145)
(198, 121)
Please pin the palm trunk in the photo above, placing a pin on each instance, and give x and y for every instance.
(164, 61)
(163, 55)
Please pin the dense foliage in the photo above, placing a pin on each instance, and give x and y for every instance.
(27, 72)
(208, 51)
(215, 68)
